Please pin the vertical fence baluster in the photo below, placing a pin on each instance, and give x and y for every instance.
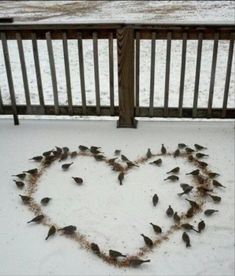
(197, 76)
(152, 73)
(38, 72)
(9, 78)
(53, 72)
(96, 72)
(137, 74)
(213, 70)
(67, 73)
(228, 74)
(182, 75)
(111, 78)
(1, 102)
(167, 77)
(81, 69)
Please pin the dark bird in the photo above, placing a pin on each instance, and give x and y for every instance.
(198, 147)
(186, 191)
(95, 248)
(195, 172)
(215, 198)
(124, 158)
(189, 150)
(200, 155)
(149, 154)
(186, 239)
(32, 172)
(176, 153)
(117, 167)
(188, 226)
(65, 149)
(112, 161)
(172, 178)
(202, 164)
(78, 180)
(115, 254)
(213, 174)
(25, 199)
(217, 184)
(83, 148)
(99, 157)
(157, 162)
(147, 240)
(137, 262)
(184, 186)
(45, 200)
(20, 175)
(95, 150)
(131, 164)
(155, 200)
(190, 212)
(37, 158)
(169, 211)
(204, 190)
(182, 146)
(66, 166)
(190, 158)
(209, 212)
(194, 204)
(157, 229)
(73, 154)
(163, 149)
(63, 156)
(176, 217)
(19, 184)
(175, 170)
(47, 153)
(68, 230)
(201, 226)
(59, 150)
(117, 152)
(37, 219)
(121, 177)
(51, 232)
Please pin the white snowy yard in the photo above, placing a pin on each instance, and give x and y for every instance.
(111, 215)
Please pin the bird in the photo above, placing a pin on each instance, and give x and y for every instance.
(20, 175)
(186, 239)
(95, 248)
(115, 254)
(58, 149)
(189, 150)
(172, 178)
(213, 174)
(186, 191)
(32, 171)
(38, 219)
(66, 166)
(201, 226)
(184, 186)
(121, 177)
(157, 162)
(149, 154)
(209, 212)
(200, 179)
(37, 158)
(190, 158)
(112, 161)
(182, 146)
(63, 156)
(78, 180)
(95, 150)
(155, 199)
(83, 148)
(195, 172)
(147, 240)
(204, 190)
(175, 170)
(217, 183)
(194, 204)
(176, 153)
(51, 232)
(19, 184)
(25, 199)
(124, 158)
(202, 164)
(215, 198)
(131, 164)
(68, 230)
(137, 262)
(47, 153)
(99, 157)
(117, 152)
(190, 212)
(169, 211)
(176, 217)
(163, 149)
(73, 154)
(157, 229)
(188, 226)
(198, 147)
(200, 155)
(65, 149)
(45, 200)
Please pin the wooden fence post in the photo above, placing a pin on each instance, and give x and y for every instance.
(125, 44)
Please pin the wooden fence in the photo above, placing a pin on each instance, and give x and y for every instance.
(128, 51)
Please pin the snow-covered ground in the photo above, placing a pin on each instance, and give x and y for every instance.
(113, 216)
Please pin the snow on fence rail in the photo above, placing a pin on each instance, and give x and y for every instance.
(128, 37)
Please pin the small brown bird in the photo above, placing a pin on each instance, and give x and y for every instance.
(20, 175)
(157, 229)
(112, 161)
(32, 171)
(25, 199)
(155, 200)
(19, 184)
(115, 254)
(202, 164)
(137, 262)
(189, 150)
(149, 154)
(37, 158)
(83, 148)
(147, 240)
(190, 158)
(51, 232)
(157, 162)
(66, 166)
(177, 153)
(195, 172)
(198, 147)
(59, 150)
(215, 198)
(182, 146)
(201, 179)
(169, 211)
(175, 170)
(99, 157)
(186, 191)
(186, 239)
(194, 204)
(47, 153)
(78, 180)
(94, 148)
(204, 190)
(163, 149)
(213, 174)
(73, 154)
(124, 158)
(201, 226)
(95, 248)
(63, 156)
(190, 212)
(172, 178)
(188, 226)
(200, 155)
(217, 183)
(121, 177)
(45, 200)
(209, 212)
(117, 152)
(37, 219)
(68, 230)
(176, 217)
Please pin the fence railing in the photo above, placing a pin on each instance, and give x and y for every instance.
(128, 38)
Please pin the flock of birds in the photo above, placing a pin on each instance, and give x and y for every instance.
(205, 182)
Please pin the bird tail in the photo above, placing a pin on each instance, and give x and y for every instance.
(180, 194)
(187, 173)
(47, 238)
(195, 230)
(188, 244)
(165, 179)
(29, 221)
(146, 261)
(124, 256)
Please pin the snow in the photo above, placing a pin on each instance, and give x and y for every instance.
(111, 215)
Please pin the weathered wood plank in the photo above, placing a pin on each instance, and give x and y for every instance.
(111, 74)
(96, 72)
(167, 76)
(137, 73)
(1, 102)
(152, 73)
